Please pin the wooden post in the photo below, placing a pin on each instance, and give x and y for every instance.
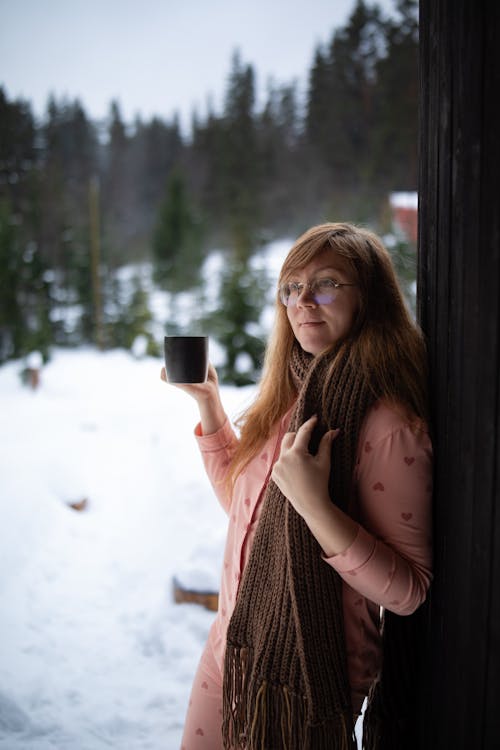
(459, 284)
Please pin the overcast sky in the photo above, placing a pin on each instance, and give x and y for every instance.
(156, 56)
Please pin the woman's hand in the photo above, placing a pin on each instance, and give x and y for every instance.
(199, 391)
(303, 479)
(207, 396)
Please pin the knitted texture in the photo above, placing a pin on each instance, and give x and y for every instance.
(285, 671)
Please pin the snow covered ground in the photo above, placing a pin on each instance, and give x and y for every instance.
(93, 651)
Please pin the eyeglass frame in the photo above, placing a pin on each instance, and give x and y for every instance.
(310, 284)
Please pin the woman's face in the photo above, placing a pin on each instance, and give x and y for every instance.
(318, 326)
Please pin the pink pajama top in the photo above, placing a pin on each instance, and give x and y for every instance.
(389, 562)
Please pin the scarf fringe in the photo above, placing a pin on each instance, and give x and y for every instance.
(272, 717)
(234, 697)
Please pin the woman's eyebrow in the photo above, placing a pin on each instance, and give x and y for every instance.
(333, 269)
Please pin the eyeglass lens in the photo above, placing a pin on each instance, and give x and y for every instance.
(322, 291)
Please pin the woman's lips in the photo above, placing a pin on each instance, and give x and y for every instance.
(310, 323)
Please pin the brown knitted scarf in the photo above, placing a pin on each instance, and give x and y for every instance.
(285, 673)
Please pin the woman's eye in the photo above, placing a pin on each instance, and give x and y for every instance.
(325, 284)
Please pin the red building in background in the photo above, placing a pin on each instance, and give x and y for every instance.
(404, 213)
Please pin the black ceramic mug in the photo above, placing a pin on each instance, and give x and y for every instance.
(186, 358)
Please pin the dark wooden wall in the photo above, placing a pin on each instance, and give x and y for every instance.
(459, 281)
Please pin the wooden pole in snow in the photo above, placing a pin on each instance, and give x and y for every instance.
(95, 259)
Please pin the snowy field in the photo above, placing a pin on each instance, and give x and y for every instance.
(94, 653)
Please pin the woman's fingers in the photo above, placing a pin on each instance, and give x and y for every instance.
(288, 440)
(212, 379)
(326, 442)
(303, 434)
(300, 440)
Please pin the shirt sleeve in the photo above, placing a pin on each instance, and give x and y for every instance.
(217, 450)
(390, 559)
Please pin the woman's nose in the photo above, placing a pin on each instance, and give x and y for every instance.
(305, 298)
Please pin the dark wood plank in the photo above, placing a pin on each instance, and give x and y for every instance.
(459, 287)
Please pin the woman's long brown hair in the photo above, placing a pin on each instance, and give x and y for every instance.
(385, 341)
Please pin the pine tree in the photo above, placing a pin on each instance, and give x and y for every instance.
(18, 153)
(25, 302)
(319, 102)
(341, 106)
(11, 320)
(69, 161)
(116, 192)
(395, 161)
(206, 164)
(240, 160)
(282, 175)
(129, 317)
(236, 324)
(155, 148)
(24, 292)
(177, 240)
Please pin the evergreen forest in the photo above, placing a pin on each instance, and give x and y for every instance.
(81, 200)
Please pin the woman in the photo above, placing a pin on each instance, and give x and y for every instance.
(328, 494)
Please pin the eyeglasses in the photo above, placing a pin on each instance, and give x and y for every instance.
(323, 291)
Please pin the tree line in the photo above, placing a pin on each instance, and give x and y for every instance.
(80, 199)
